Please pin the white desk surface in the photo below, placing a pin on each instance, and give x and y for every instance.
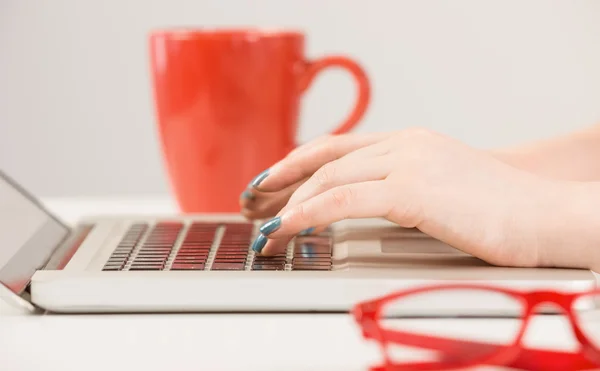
(205, 342)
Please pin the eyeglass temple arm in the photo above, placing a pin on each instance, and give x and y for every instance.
(526, 359)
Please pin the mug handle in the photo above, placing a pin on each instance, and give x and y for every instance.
(312, 69)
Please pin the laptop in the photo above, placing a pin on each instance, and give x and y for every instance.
(204, 263)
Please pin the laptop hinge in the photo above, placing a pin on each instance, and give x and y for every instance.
(45, 234)
(13, 304)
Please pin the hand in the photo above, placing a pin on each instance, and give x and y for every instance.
(415, 178)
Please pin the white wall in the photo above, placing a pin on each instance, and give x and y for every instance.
(76, 114)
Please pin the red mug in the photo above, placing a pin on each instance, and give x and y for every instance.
(227, 104)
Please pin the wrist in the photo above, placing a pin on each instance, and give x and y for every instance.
(521, 159)
(569, 227)
(572, 157)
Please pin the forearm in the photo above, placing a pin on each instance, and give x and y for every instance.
(569, 233)
(571, 157)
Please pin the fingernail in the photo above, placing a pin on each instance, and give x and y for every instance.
(307, 231)
(271, 226)
(247, 194)
(259, 243)
(259, 178)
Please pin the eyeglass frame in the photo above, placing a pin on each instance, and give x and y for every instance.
(368, 314)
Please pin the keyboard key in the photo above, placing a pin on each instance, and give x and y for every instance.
(128, 243)
(189, 261)
(121, 248)
(232, 251)
(231, 256)
(150, 260)
(190, 257)
(116, 261)
(269, 258)
(308, 248)
(237, 250)
(107, 268)
(310, 268)
(242, 261)
(146, 268)
(183, 254)
(312, 255)
(312, 260)
(317, 240)
(148, 264)
(203, 224)
(113, 267)
(311, 264)
(187, 267)
(123, 255)
(227, 266)
(192, 253)
(168, 242)
(262, 267)
(156, 249)
(159, 264)
(153, 253)
(280, 263)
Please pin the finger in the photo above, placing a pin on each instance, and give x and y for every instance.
(357, 200)
(249, 194)
(380, 148)
(371, 152)
(309, 144)
(279, 246)
(266, 208)
(305, 163)
(325, 138)
(247, 197)
(265, 205)
(271, 247)
(340, 172)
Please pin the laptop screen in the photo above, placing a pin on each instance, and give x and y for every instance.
(28, 235)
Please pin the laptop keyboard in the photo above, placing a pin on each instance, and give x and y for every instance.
(206, 246)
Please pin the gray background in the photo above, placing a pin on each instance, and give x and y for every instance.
(76, 114)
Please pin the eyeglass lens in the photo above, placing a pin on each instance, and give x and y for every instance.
(413, 314)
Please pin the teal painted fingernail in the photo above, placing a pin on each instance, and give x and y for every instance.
(271, 226)
(307, 231)
(247, 194)
(259, 243)
(259, 178)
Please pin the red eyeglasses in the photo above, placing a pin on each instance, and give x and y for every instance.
(399, 323)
